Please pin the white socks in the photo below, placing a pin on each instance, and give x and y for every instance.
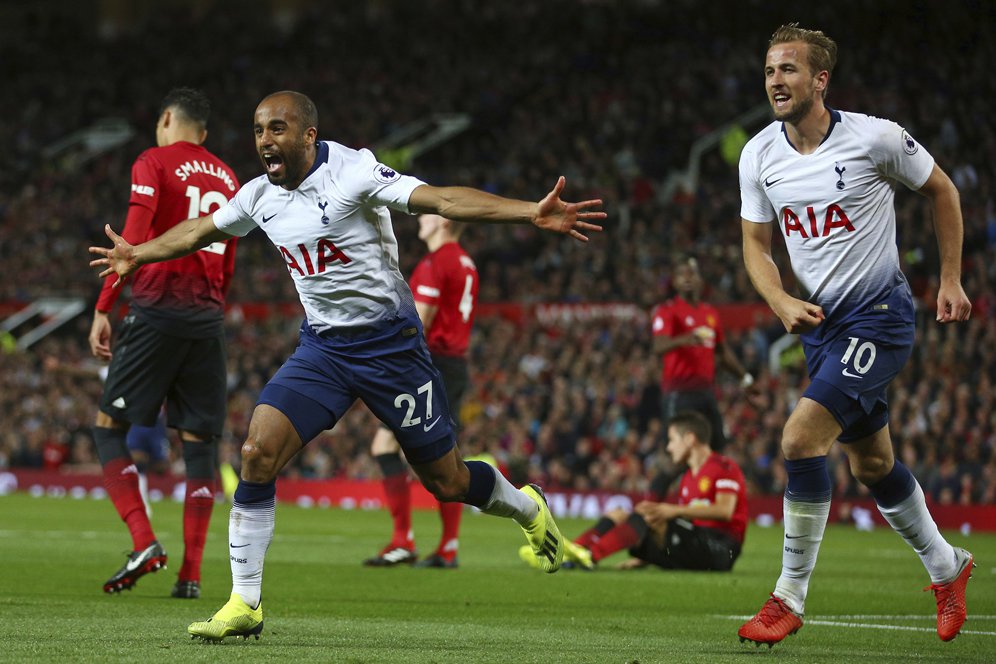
(508, 501)
(913, 522)
(804, 526)
(250, 530)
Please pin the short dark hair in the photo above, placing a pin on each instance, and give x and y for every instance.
(306, 109)
(695, 423)
(822, 49)
(192, 105)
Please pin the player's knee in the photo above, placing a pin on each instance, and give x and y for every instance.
(796, 444)
(869, 469)
(258, 463)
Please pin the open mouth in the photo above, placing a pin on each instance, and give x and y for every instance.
(781, 100)
(272, 162)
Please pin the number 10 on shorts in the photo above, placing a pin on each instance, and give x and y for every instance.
(864, 356)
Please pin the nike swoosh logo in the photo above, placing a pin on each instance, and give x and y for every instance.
(849, 374)
(793, 536)
(426, 427)
(237, 546)
(768, 183)
(266, 219)
(132, 565)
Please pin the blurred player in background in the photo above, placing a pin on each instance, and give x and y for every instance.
(689, 337)
(171, 346)
(325, 207)
(827, 179)
(444, 285)
(704, 530)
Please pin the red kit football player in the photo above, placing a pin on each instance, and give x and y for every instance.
(689, 337)
(444, 284)
(171, 345)
(704, 530)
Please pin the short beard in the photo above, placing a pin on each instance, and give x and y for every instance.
(797, 113)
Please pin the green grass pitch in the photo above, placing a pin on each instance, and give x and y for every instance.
(320, 604)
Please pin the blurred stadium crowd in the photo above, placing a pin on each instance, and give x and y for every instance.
(610, 94)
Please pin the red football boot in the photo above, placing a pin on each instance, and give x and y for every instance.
(772, 623)
(950, 597)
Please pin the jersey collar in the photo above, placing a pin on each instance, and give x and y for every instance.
(835, 117)
(321, 157)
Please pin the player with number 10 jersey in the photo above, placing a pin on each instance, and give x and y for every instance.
(826, 180)
(835, 209)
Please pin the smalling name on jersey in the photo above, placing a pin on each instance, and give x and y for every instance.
(189, 168)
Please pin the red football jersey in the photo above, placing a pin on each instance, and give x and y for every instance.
(184, 296)
(447, 279)
(718, 474)
(687, 367)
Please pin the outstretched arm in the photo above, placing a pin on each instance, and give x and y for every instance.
(796, 315)
(184, 238)
(474, 205)
(952, 303)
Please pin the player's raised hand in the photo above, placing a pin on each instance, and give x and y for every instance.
(799, 316)
(555, 215)
(952, 303)
(119, 259)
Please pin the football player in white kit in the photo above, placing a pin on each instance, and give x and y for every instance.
(826, 180)
(325, 208)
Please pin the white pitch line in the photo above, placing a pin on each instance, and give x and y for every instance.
(909, 616)
(897, 628)
(53, 534)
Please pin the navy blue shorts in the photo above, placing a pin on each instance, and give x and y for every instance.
(389, 367)
(850, 376)
(150, 440)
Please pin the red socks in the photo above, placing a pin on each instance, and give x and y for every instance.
(400, 503)
(590, 537)
(449, 514)
(121, 482)
(623, 536)
(197, 506)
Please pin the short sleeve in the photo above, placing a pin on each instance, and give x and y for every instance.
(754, 204)
(426, 287)
(145, 183)
(730, 478)
(380, 184)
(662, 322)
(899, 157)
(234, 218)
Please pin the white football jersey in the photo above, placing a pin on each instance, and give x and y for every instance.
(334, 233)
(835, 207)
